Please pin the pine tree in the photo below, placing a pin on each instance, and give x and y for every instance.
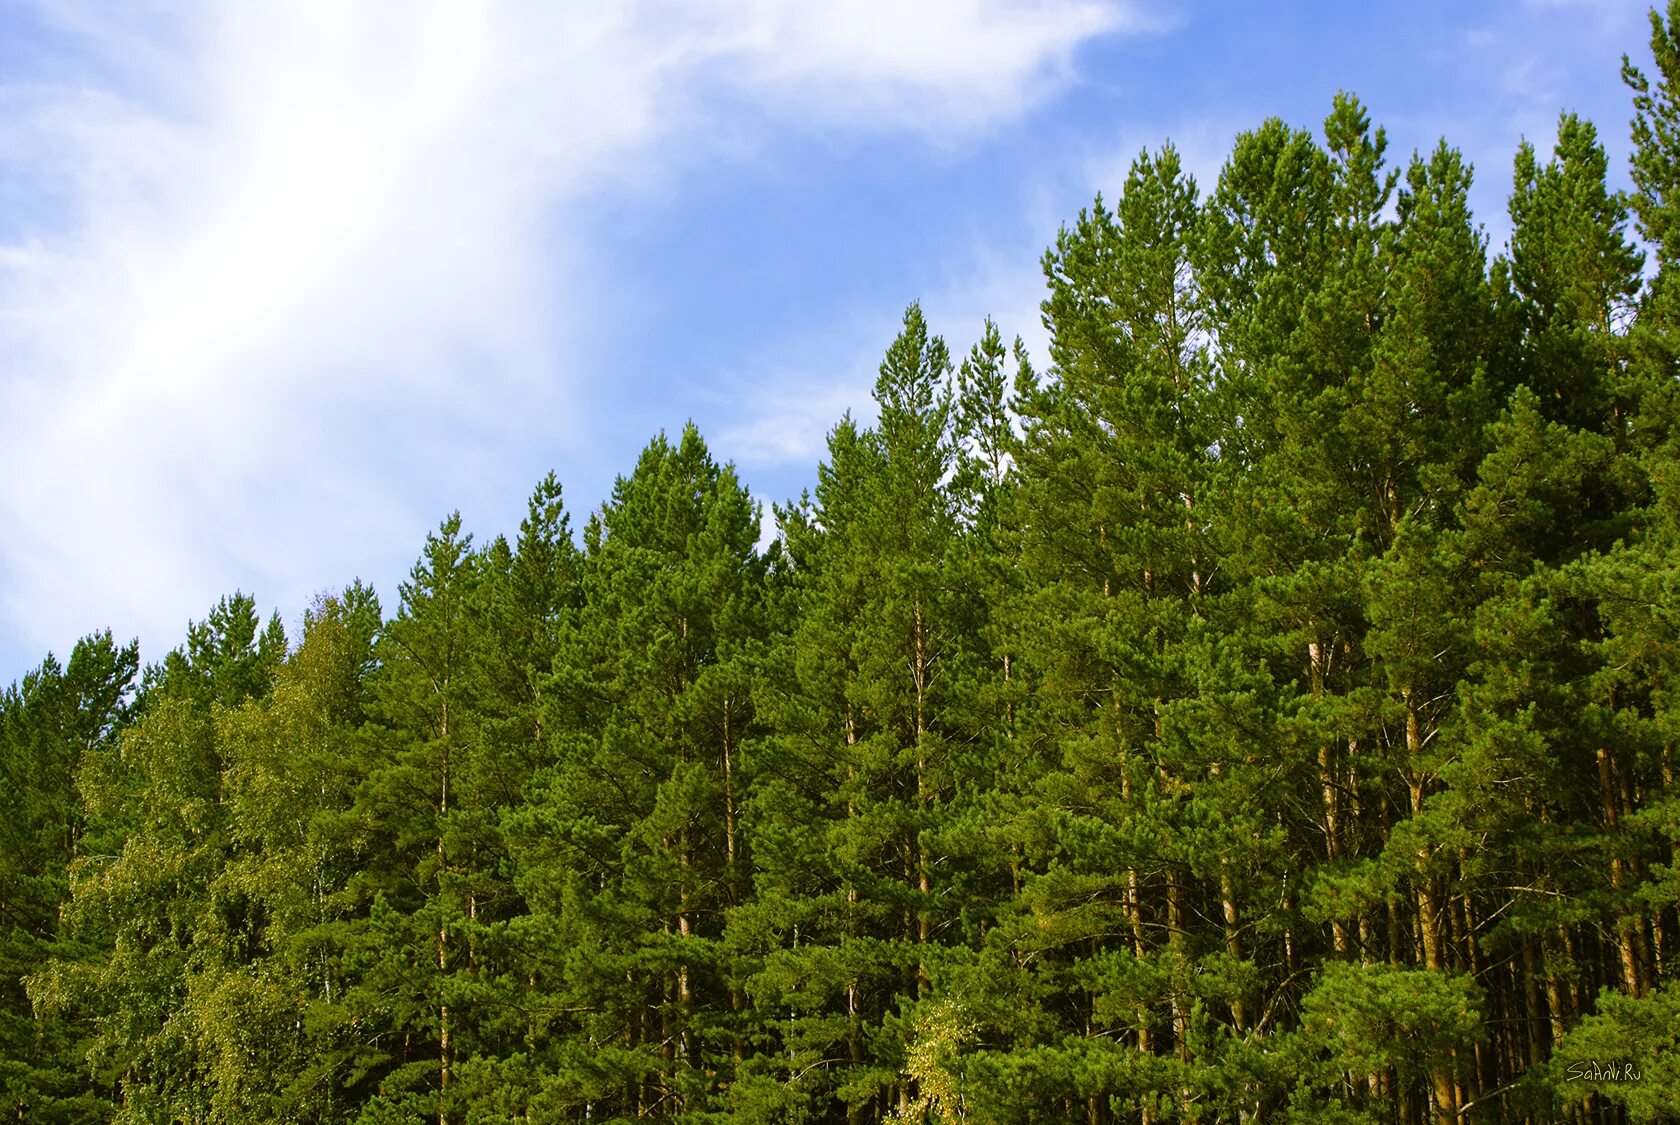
(873, 696)
(49, 723)
(1630, 586)
(154, 842)
(629, 849)
(266, 1001)
(527, 598)
(1119, 470)
(419, 701)
(1267, 714)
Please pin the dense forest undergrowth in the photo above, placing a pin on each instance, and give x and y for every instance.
(1265, 714)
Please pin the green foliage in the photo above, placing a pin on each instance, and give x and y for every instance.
(1642, 1034)
(1266, 712)
(1373, 1018)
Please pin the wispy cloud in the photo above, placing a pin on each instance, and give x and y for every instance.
(930, 66)
(1610, 16)
(1203, 143)
(295, 278)
(787, 412)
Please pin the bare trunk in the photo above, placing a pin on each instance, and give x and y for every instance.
(1233, 942)
(1471, 1071)
(1558, 999)
(854, 1046)
(1009, 702)
(685, 929)
(641, 1030)
(923, 883)
(854, 1024)
(1134, 914)
(1639, 928)
(1233, 937)
(1531, 1000)
(1441, 1078)
(737, 1001)
(1178, 924)
(729, 828)
(1626, 933)
(1318, 666)
(1663, 937)
(443, 934)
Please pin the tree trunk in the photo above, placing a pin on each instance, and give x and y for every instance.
(1625, 949)
(1318, 660)
(685, 926)
(1531, 1000)
(1233, 935)
(1441, 1077)
(1233, 942)
(1134, 915)
(443, 934)
(923, 884)
(1557, 992)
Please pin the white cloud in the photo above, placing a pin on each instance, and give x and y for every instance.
(931, 65)
(1203, 144)
(1005, 284)
(787, 414)
(786, 408)
(1615, 12)
(297, 277)
(790, 419)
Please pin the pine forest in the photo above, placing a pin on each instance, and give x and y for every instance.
(1265, 712)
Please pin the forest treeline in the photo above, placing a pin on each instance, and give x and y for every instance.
(1266, 713)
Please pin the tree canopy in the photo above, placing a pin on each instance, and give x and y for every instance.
(1265, 712)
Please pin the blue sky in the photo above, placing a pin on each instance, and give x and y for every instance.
(282, 285)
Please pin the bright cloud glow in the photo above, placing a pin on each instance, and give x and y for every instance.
(282, 284)
(297, 278)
